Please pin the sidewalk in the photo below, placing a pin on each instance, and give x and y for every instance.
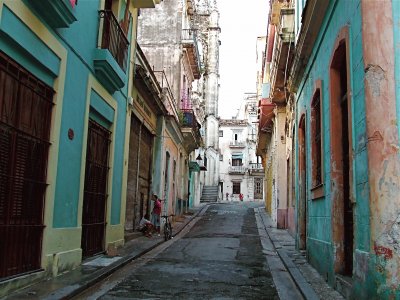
(310, 283)
(94, 270)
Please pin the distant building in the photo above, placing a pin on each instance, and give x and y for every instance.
(241, 171)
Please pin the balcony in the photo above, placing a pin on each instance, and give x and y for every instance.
(237, 170)
(266, 116)
(256, 169)
(186, 103)
(167, 96)
(145, 3)
(282, 55)
(57, 13)
(237, 144)
(110, 59)
(189, 42)
(191, 130)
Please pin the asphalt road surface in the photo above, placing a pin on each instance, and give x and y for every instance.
(218, 257)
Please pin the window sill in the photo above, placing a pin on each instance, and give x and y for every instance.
(317, 192)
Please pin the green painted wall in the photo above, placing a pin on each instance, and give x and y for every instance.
(21, 44)
(319, 242)
(80, 41)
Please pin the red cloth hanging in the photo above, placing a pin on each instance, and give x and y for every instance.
(73, 3)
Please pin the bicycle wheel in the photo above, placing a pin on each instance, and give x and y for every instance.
(167, 231)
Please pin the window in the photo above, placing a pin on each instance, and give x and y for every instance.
(236, 162)
(221, 157)
(174, 174)
(221, 133)
(235, 187)
(316, 137)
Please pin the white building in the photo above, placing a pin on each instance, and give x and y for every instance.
(241, 171)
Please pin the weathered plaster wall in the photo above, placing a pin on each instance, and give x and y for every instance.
(319, 229)
(281, 176)
(381, 26)
(159, 36)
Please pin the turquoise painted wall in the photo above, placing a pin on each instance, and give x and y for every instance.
(319, 242)
(80, 41)
(21, 44)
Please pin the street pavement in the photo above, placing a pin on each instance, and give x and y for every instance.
(219, 251)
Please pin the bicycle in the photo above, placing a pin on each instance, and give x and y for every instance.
(167, 227)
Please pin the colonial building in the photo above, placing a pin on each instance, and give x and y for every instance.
(275, 138)
(64, 69)
(241, 171)
(339, 92)
(168, 39)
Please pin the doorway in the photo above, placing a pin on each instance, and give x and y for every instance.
(302, 221)
(95, 190)
(342, 207)
(26, 105)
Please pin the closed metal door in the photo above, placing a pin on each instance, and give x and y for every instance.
(25, 121)
(95, 190)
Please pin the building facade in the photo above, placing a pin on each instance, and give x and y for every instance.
(241, 170)
(65, 70)
(341, 101)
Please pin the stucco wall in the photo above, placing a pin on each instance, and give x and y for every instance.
(65, 62)
(319, 229)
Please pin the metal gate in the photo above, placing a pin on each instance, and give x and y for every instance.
(25, 119)
(95, 190)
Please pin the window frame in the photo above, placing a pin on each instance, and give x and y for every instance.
(235, 184)
(317, 142)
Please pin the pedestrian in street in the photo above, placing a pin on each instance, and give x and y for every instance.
(241, 197)
(155, 214)
(145, 225)
(227, 196)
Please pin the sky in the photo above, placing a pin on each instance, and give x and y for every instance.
(241, 23)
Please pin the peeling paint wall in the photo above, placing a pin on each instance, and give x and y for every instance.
(374, 94)
(381, 27)
(320, 247)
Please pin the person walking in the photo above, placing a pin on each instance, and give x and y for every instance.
(241, 197)
(156, 212)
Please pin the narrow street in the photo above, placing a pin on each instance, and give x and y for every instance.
(220, 257)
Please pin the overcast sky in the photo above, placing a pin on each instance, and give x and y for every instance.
(241, 23)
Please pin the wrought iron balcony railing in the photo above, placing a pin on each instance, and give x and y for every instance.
(189, 119)
(237, 144)
(186, 103)
(236, 170)
(114, 38)
(258, 167)
(189, 41)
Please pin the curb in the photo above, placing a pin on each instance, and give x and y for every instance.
(71, 291)
(305, 288)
